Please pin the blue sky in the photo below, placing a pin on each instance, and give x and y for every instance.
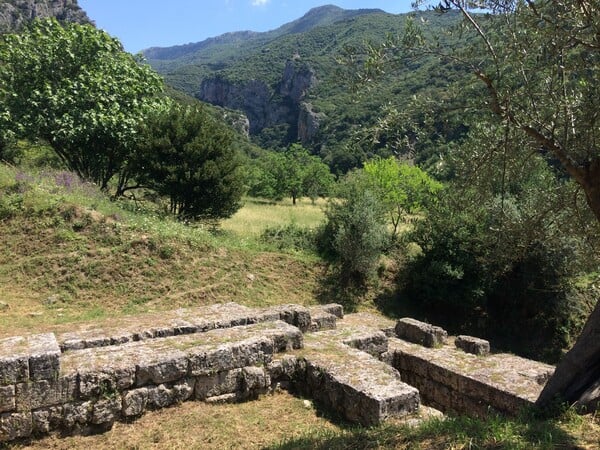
(140, 24)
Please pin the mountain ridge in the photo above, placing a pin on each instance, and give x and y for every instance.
(315, 17)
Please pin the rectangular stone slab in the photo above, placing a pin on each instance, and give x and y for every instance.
(356, 385)
(33, 357)
(454, 380)
(105, 370)
(178, 322)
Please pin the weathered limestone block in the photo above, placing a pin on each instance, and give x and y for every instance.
(374, 343)
(353, 383)
(282, 371)
(77, 414)
(172, 366)
(358, 402)
(285, 337)
(295, 315)
(335, 309)
(255, 381)
(222, 399)
(33, 357)
(40, 394)
(134, 402)
(227, 382)
(161, 396)
(44, 354)
(14, 426)
(106, 411)
(321, 320)
(105, 381)
(47, 419)
(472, 345)
(7, 398)
(420, 332)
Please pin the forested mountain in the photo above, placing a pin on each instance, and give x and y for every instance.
(14, 13)
(288, 84)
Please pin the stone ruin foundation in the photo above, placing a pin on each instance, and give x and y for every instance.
(362, 366)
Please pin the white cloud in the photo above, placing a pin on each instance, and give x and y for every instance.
(259, 2)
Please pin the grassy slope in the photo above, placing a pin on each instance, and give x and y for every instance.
(68, 255)
(71, 255)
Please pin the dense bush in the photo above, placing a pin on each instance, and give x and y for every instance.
(503, 281)
(355, 234)
(291, 237)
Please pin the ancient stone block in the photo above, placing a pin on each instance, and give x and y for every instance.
(7, 398)
(14, 360)
(375, 343)
(184, 390)
(295, 315)
(227, 382)
(77, 414)
(321, 320)
(14, 426)
(161, 396)
(106, 410)
(47, 419)
(472, 345)
(39, 394)
(221, 399)
(420, 333)
(172, 367)
(105, 382)
(255, 381)
(44, 354)
(335, 309)
(134, 402)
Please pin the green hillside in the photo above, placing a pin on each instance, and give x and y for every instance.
(229, 66)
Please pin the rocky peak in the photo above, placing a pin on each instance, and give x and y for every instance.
(15, 13)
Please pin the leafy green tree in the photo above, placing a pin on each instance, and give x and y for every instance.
(188, 157)
(294, 173)
(74, 87)
(403, 189)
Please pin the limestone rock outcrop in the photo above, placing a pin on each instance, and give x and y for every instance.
(14, 14)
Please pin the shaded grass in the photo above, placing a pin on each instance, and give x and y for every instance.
(281, 421)
(569, 432)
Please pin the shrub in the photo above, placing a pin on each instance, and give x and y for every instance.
(355, 235)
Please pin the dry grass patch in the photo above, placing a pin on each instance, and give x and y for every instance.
(257, 215)
(195, 425)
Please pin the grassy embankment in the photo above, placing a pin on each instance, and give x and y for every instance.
(68, 254)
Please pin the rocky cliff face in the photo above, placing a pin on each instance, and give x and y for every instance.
(15, 13)
(267, 106)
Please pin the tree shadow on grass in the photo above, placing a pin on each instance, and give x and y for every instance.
(454, 432)
(333, 289)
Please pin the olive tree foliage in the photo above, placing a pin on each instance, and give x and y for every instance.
(187, 156)
(74, 87)
(538, 64)
(355, 233)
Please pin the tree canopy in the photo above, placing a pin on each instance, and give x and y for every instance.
(188, 157)
(74, 87)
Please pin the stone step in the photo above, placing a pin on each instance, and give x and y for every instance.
(352, 383)
(97, 386)
(178, 322)
(453, 380)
